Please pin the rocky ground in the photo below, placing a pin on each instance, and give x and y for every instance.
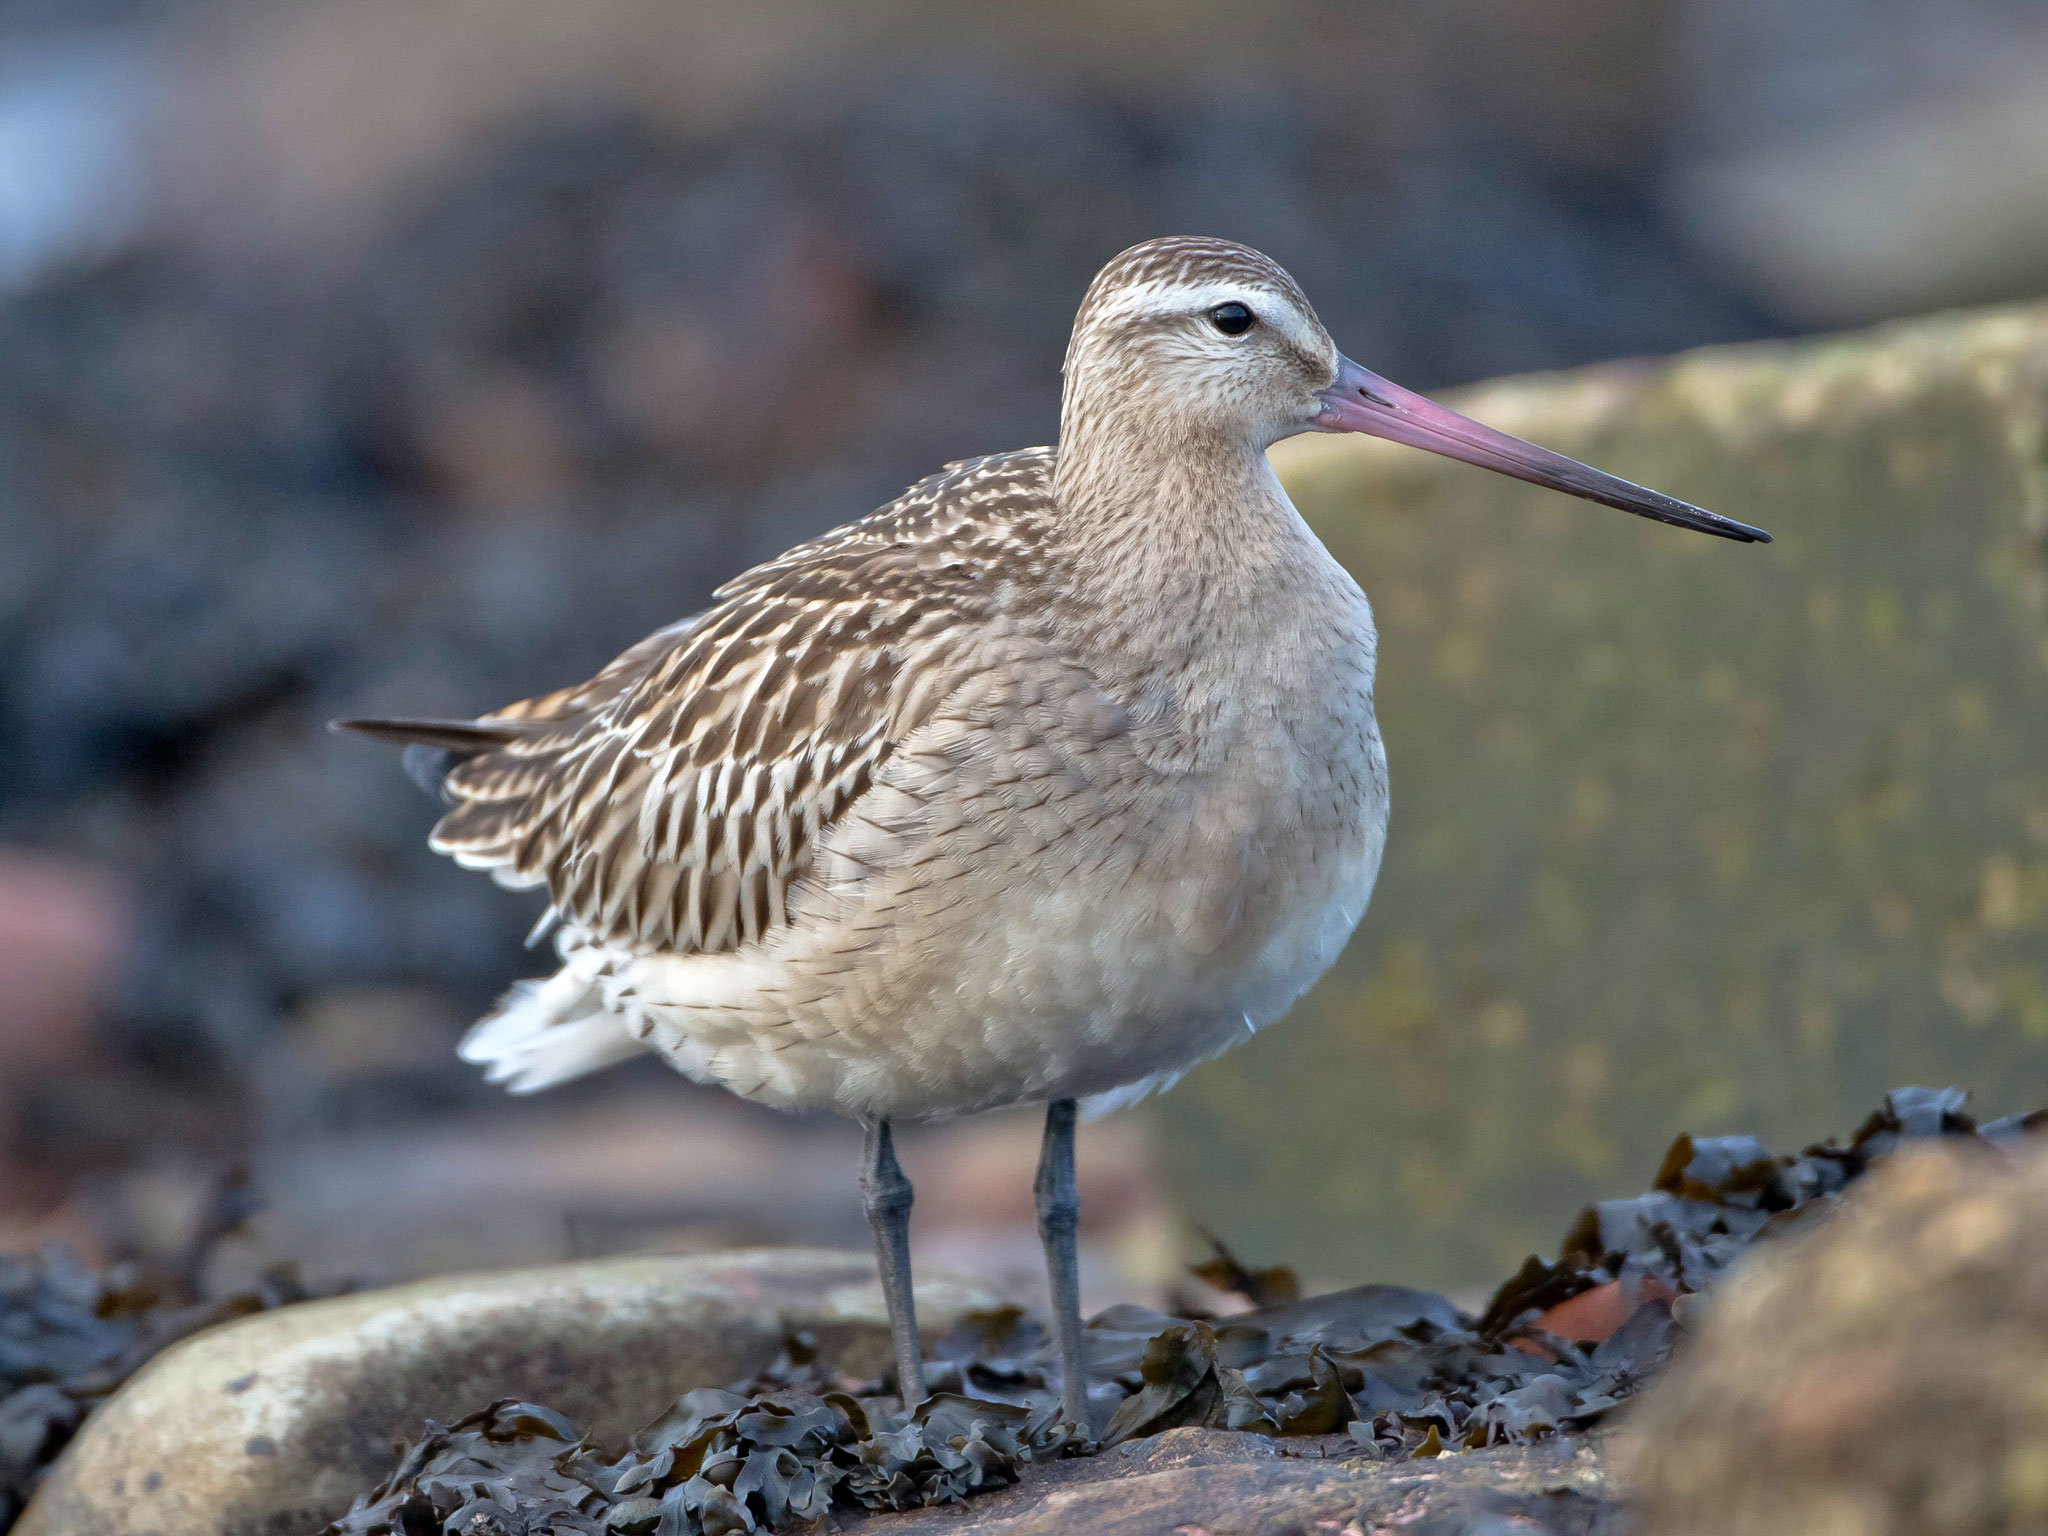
(1331, 1404)
(1205, 1482)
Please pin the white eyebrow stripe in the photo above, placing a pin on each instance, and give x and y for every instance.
(1171, 298)
(1164, 298)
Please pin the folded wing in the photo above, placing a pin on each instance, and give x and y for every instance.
(673, 801)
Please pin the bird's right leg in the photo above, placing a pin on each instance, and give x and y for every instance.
(885, 1195)
(1059, 1222)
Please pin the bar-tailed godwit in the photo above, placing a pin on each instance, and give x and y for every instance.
(1046, 781)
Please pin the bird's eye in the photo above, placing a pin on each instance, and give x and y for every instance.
(1231, 319)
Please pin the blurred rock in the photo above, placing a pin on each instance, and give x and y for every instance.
(1935, 202)
(1854, 159)
(1685, 834)
(271, 1424)
(63, 936)
(356, 1034)
(1880, 1376)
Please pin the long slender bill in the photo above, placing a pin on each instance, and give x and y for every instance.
(1362, 401)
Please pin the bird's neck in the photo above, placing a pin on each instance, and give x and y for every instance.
(1177, 544)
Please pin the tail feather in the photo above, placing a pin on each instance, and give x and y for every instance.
(434, 747)
(548, 1032)
(465, 737)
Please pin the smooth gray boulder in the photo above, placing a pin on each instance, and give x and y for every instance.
(270, 1425)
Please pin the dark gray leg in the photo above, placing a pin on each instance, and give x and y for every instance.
(885, 1195)
(1059, 1218)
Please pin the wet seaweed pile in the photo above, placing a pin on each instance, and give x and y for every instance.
(1398, 1372)
(718, 1461)
(1712, 1197)
(70, 1335)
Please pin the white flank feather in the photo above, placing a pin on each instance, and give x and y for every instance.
(547, 1032)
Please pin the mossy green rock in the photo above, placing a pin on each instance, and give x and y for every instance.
(1686, 834)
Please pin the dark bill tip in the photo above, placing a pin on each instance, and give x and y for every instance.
(1362, 401)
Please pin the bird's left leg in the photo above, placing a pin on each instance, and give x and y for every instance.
(885, 1196)
(1059, 1219)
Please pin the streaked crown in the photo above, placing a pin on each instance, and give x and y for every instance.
(1194, 338)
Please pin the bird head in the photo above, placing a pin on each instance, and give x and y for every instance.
(1203, 342)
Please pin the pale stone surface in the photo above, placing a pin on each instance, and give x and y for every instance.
(1880, 1376)
(1213, 1482)
(1686, 835)
(270, 1425)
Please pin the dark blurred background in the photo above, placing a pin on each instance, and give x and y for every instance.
(376, 357)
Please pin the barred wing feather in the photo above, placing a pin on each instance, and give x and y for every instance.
(673, 801)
